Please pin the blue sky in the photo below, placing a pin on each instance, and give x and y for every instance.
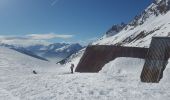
(66, 20)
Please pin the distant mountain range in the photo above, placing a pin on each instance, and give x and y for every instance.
(53, 52)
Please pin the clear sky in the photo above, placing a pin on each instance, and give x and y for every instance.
(78, 20)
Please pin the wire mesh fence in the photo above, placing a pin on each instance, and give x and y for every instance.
(156, 59)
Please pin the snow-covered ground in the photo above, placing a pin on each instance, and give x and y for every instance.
(118, 80)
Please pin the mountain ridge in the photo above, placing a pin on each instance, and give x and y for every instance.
(153, 21)
(53, 52)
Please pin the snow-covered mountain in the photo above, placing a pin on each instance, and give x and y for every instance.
(53, 52)
(23, 50)
(153, 21)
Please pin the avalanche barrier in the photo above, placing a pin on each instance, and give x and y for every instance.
(156, 60)
(95, 57)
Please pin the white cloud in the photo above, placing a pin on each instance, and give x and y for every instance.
(24, 43)
(12, 38)
(21, 41)
(32, 39)
(48, 36)
(54, 2)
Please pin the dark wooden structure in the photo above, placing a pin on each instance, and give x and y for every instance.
(95, 57)
(156, 59)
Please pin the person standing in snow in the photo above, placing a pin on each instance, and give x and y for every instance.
(72, 67)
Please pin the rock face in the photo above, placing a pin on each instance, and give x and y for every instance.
(158, 7)
(95, 57)
(163, 5)
(114, 30)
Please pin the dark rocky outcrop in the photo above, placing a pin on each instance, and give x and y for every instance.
(115, 29)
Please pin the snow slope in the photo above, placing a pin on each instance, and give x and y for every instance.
(18, 63)
(153, 21)
(117, 67)
(54, 82)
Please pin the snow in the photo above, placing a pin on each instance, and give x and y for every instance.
(5, 95)
(158, 1)
(162, 22)
(118, 80)
(75, 58)
(54, 82)
(153, 26)
(117, 67)
(62, 48)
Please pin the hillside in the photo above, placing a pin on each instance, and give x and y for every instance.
(19, 63)
(53, 82)
(153, 21)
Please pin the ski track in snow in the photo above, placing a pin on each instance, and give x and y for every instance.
(6, 95)
(118, 80)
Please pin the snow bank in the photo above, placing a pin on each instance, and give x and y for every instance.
(124, 66)
(132, 68)
(166, 75)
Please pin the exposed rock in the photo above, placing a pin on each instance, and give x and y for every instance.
(115, 29)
